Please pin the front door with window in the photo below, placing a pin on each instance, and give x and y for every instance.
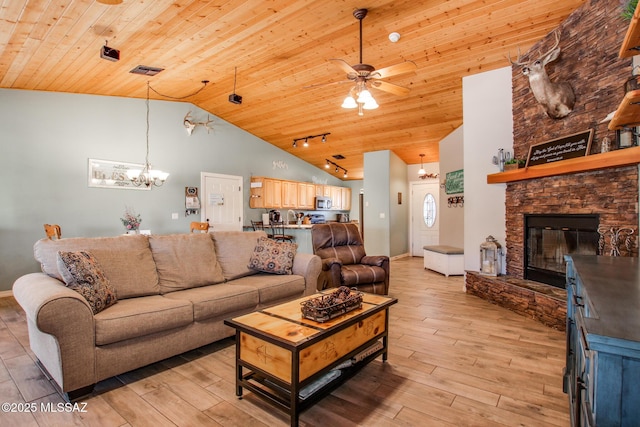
(425, 216)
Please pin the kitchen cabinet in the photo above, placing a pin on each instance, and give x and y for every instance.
(271, 193)
(289, 194)
(323, 190)
(346, 198)
(336, 198)
(306, 195)
(602, 371)
(265, 193)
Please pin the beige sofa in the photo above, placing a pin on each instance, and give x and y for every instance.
(173, 293)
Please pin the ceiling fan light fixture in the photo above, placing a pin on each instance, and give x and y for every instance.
(349, 102)
(364, 96)
(370, 104)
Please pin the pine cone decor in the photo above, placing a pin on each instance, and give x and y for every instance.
(326, 307)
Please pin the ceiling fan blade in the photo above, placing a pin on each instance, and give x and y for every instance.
(394, 70)
(344, 66)
(390, 87)
(327, 84)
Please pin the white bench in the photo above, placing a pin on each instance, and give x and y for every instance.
(447, 260)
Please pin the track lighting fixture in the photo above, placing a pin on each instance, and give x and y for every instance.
(307, 138)
(329, 163)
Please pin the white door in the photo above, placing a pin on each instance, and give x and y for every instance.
(221, 201)
(425, 215)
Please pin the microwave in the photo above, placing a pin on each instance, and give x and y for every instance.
(323, 203)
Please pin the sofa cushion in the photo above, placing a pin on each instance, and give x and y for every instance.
(271, 256)
(273, 288)
(125, 260)
(234, 249)
(81, 272)
(218, 300)
(136, 317)
(185, 261)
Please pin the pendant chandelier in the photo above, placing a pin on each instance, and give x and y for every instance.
(147, 176)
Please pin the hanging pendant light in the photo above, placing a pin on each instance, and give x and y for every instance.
(421, 171)
(147, 176)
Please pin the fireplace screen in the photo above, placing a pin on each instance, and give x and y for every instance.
(549, 237)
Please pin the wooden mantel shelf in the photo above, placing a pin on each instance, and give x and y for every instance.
(628, 113)
(631, 41)
(612, 159)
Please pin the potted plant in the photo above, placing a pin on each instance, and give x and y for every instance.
(628, 9)
(513, 163)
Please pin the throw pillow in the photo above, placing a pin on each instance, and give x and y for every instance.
(81, 272)
(271, 256)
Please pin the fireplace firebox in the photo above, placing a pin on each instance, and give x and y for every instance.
(549, 237)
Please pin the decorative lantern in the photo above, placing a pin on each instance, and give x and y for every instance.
(490, 257)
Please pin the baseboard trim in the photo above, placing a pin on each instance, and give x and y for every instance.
(6, 294)
(396, 257)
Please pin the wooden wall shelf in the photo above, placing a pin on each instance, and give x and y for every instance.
(628, 113)
(612, 159)
(631, 41)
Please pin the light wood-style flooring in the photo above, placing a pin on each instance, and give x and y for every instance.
(455, 360)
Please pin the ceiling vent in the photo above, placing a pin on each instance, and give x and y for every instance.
(338, 156)
(146, 70)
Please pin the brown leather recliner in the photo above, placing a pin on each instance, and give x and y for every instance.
(344, 262)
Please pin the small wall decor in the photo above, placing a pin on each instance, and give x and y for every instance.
(455, 201)
(617, 236)
(190, 124)
(110, 174)
(454, 182)
(280, 164)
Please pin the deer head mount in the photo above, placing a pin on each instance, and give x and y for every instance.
(190, 124)
(557, 98)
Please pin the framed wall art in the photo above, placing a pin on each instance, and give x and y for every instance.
(110, 174)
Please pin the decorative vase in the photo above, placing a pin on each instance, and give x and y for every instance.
(133, 231)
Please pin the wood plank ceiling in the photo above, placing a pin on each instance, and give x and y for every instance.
(280, 47)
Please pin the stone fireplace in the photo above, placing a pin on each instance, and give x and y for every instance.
(547, 238)
(590, 39)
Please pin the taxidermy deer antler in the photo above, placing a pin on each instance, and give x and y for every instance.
(557, 98)
(191, 125)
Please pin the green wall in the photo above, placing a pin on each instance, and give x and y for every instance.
(46, 139)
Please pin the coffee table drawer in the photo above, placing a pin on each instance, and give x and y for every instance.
(335, 346)
(270, 358)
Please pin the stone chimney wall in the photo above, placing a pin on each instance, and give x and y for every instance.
(590, 40)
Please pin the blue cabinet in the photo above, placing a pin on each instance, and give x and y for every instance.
(602, 372)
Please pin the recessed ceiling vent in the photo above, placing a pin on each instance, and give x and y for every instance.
(338, 156)
(146, 70)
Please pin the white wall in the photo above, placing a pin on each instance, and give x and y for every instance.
(451, 218)
(488, 126)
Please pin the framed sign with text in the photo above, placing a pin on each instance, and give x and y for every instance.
(454, 182)
(110, 174)
(567, 147)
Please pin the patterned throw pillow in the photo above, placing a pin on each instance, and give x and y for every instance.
(271, 256)
(81, 272)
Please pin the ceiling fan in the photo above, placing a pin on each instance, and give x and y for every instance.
(365, 75)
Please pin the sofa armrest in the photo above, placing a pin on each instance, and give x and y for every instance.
(308, 266)
(329, 263)
(378, 260)
(61, 329)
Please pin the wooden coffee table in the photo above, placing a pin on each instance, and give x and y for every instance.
(292, 362)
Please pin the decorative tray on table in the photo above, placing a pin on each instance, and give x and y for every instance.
(329, 306)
